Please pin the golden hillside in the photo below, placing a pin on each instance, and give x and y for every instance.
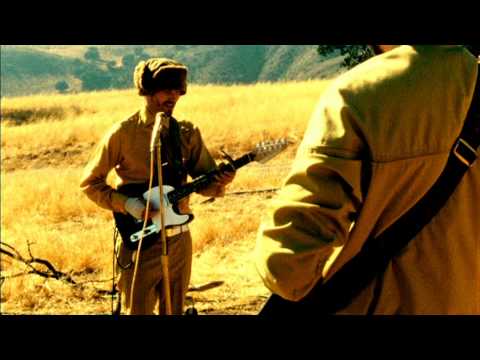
(46, 141)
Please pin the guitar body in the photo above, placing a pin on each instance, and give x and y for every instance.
(130, 228)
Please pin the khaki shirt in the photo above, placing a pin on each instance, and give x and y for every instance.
(376, 143)
(126, 149)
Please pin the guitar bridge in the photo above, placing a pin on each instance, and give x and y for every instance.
(135, 237)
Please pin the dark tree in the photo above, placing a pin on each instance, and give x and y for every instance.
(62, 86)
(354, 54)
(92, 54)
(95, 79)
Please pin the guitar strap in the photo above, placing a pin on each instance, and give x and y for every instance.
(177, 159)
(174, 172)
(373, 259)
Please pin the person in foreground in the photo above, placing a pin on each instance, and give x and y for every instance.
(376, 143)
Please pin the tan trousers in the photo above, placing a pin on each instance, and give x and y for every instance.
(149, 294)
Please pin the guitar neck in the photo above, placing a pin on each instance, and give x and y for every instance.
(204, 180)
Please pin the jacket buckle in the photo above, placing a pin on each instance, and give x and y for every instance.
(464, 152)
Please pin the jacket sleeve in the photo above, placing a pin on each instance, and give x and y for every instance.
(308, 222)
(93, 183)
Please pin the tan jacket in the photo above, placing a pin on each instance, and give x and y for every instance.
(377, 141)
(126, 148)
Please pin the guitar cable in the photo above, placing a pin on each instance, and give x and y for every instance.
(115, 237)
(115, 261)
(139, 248)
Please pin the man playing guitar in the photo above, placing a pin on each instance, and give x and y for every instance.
(125, 148)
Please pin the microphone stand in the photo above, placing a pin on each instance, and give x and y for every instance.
(156, 143)
(163, 238)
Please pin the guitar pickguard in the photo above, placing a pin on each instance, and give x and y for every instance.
(130, 228)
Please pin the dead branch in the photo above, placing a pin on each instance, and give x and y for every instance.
(204, 287)
(94, 281)
(212, 199)
(251, 191)
(49, 271)
(2, 279)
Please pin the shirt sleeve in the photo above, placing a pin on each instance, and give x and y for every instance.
(308, 222)
(93, 183)
(201, 161)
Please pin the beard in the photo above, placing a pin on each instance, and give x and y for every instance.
(156, 106)
(167, 107)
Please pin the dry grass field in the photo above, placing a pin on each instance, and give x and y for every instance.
(47, 140)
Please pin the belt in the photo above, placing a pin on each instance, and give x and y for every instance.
(176, 230)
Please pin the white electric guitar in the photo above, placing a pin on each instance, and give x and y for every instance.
(130, 228)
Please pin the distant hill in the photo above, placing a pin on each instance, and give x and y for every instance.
(27, 70)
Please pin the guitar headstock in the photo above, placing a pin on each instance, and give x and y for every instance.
(266, 150)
